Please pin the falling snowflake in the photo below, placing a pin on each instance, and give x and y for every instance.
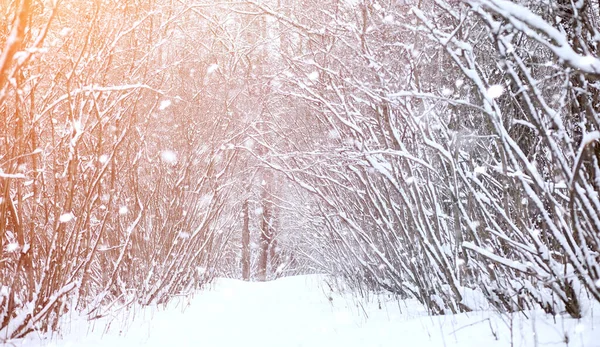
(12, 247)
(389, 19)
(66, 217)
(168, 156)
(123, 210)
(103, 158)
(164, 104)
(212, 68)
(495, 91)
(447, 91)
(313, 76)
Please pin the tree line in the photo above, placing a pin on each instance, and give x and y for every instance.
(432, 149)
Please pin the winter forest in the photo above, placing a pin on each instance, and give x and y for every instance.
(429, 149)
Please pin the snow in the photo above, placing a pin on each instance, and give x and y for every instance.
(164, 105)
(495, 91)
(212, 68)
(479, 170)
(313, 76)
(66, 217)
(532, 25)
(183, 235)
(590, 137)
(8, 175)
(303, 311)
(168, 156)
(351, 3)
(65, 32)
(12, 247)
(334, 134)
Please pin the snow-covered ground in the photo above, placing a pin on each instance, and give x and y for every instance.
(302, 311)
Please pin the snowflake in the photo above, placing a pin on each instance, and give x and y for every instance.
(495, 91)
(164, 104)
(66, 217)
(168, 156)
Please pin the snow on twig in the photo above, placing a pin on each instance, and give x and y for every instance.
(538, 29)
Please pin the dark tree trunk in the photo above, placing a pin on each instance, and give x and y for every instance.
(265, 231)
(246, 243)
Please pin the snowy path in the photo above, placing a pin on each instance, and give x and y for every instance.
(297, 312)
(250, 314)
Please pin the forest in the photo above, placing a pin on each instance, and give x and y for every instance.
(425, 148)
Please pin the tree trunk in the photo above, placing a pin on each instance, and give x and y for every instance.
(265, 231)
(246, 243)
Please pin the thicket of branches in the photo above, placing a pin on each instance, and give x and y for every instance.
(112, 175)
(433, 149)
(457, 148)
